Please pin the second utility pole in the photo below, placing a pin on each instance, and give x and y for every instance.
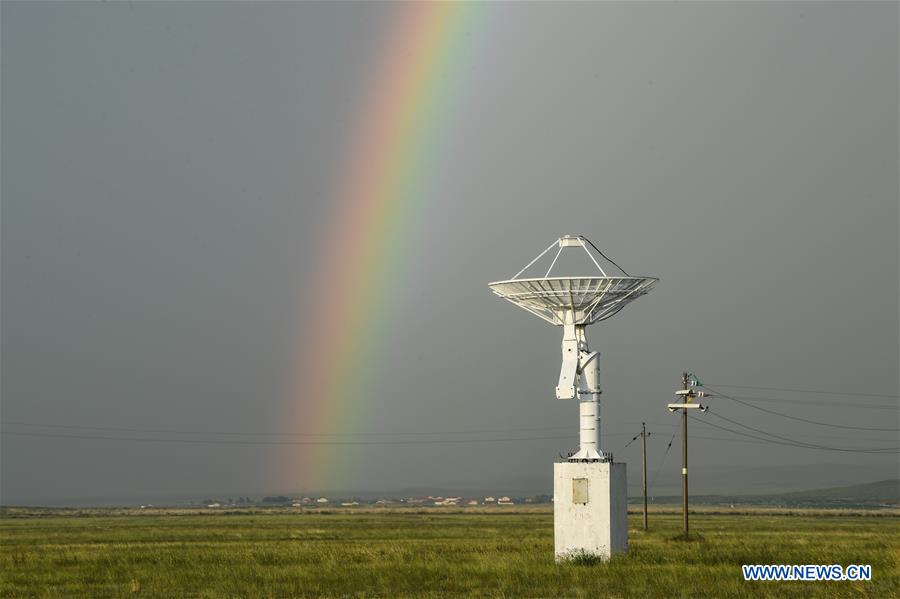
(644, 443)
(684, 456)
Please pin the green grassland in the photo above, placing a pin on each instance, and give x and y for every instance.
(405, 553)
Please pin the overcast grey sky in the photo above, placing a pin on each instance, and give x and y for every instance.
(167, 170)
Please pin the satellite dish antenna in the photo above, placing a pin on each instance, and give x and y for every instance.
(574, 302)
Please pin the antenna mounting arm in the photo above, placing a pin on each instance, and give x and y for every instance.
(580, 371)
(566, 387)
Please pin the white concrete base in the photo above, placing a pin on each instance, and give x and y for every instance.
(590, 510)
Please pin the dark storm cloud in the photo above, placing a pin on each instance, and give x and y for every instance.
(167, 170)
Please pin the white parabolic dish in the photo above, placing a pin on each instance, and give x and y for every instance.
(573, 300)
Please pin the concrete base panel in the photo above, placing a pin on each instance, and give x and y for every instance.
(590, 509)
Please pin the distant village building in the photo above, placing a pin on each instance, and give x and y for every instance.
(217, 504)
(489, 500)
(473, 502)
(322, 500)
(504, 501)
(349, 503)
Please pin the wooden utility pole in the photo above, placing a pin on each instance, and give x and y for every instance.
(644, 443)
(684, 461)
(687, 396)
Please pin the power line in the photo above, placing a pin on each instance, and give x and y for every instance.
(836, 404)
(813, 445)
(814, 391)
(818, 422)
(426, 442)
(731, 439)
(723, 439)
(663, 460)
(792, 444)
(633, 439)
(263, 442)
(274, 434)
(803, 435)
(728, 439)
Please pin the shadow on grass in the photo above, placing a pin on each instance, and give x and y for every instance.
(585, 559)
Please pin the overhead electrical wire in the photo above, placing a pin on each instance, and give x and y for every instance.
(277, 434)
(813, 445)
(864, 438)
(633, 439)
(790, 441)
(728, 439)
(273, 442)
(826, 404)
(409, 442)
(813, 391)
(663, 460)
(269, 442)
(718, 393)
(796, 444)
(672, 425)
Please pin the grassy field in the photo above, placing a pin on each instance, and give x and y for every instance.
(426, 554)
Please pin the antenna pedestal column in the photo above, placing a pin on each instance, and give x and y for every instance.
(580, 378)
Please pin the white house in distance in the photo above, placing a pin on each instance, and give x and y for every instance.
(322, 500)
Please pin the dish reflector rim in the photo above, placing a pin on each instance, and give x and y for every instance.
(562, 315)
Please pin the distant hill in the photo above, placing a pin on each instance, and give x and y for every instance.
(881, 493)
(727, 480)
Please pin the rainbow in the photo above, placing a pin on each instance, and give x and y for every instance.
(391, 154)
